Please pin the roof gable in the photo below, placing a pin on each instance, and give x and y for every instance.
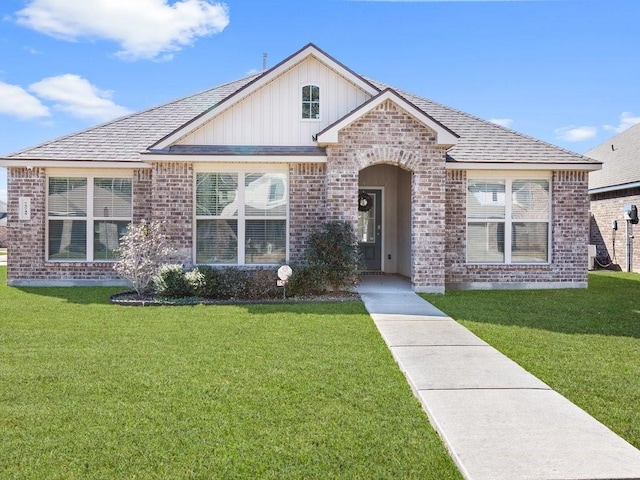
(259, 82)
(444, 137)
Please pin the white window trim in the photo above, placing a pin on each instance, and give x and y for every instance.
(241, 170)
(509, 177)
(320, 101)
(89, 218)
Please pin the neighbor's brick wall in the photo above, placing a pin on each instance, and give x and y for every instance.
(389, 135)
(307, 202)
(569, 237)
(3, 236)
(612, 245)
(27, 260)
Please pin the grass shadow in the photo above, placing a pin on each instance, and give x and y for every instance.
(608, 307)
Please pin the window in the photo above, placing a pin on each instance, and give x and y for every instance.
(508, 220)
(87, 216)
(311, 102)
(241, 218)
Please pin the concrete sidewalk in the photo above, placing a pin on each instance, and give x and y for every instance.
(497, 420)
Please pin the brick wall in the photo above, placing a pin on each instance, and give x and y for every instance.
(307, 201)
(388, 135)
(3, 236)
(172, 203)
(611, 245)
(569, 226)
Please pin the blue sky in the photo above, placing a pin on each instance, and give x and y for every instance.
(564, 71)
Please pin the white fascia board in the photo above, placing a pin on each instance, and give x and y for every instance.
(71, 164)
(444, 137)
(261, 81)
(160, 158)
(624, 186)
(521, 166)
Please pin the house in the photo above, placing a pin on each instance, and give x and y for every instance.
(242, 172)
(613, 191)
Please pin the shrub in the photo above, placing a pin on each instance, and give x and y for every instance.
(210, 281)
(263, 284)
(332, 253)
(304, 281)
(142, 249)
(170, 281)
(232, 283)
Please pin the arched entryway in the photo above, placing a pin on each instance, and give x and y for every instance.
(384, 218)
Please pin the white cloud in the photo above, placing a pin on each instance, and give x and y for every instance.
(143, 28)
(17, 102)
(77, 96)
(627, 120)
(575, 134)
(503, 122)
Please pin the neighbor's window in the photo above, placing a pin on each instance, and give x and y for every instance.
(311, 102)
(241, 218)
(87, 216)
(508, 220)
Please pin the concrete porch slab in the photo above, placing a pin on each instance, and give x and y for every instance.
(527, 434)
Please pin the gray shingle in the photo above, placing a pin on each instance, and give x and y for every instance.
(125, 138)
(620, 164)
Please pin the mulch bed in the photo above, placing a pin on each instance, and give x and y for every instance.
(132, 299)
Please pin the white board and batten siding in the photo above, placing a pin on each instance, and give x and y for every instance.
(273, 114)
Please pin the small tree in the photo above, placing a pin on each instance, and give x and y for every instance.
(142, 249)
(332, 252)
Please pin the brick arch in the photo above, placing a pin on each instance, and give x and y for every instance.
(384, 154)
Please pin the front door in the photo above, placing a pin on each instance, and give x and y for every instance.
(370, 228)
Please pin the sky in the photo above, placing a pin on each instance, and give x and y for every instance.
(564, 71)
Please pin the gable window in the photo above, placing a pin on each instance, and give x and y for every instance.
(508, 220)
(241, 218)
(87, 216)
(310, 102)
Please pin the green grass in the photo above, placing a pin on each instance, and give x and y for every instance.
(93, 390)
(584, 343)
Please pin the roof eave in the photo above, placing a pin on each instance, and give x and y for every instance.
(566, 166)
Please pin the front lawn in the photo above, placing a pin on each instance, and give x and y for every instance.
(93, 390)
(585, 344)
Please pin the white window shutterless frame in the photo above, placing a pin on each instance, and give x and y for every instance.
(508, 219)
(241, 216)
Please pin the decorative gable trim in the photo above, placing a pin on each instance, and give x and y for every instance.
(308, 51)
(445, 137)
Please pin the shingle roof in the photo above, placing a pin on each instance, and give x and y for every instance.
(125, 138)
(620, 157)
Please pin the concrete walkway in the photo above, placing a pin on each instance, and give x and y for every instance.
(497, 420)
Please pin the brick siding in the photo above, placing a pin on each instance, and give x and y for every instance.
(611, 245)
(307, 201)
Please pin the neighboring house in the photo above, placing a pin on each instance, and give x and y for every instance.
(242, 172)
(3, 224)
(612, 191)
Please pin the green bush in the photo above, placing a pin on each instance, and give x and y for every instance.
(304, 281)
(263, 284)
(332, 253)
(232, 283)
(210, 281)
(170, 281)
